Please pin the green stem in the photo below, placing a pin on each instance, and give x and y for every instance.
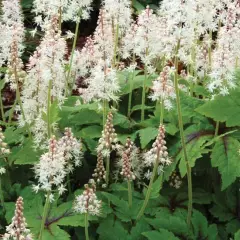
(210, 52)
(130, 95)
(107, 169)
(21, 108)
(217, 128)
(143, 94)
(180, 122)
(86, 226)
(129, 193)
(60, 18)
(1, 195)
(1, 105)
(115, 46)
(69, 183)
(145, 203)
(49, 109)
(44, 217)
(11, 112)
(162, 111)
(72, 54)
(105, 109)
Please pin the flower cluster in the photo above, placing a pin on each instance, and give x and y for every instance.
(159, 151)
(45, 75)
(126, 161)
(3, 146)
(141, 37)
(108, 141)
(120, 12)
(163, 88)
(99, 172)
(87, 202)
(18, 227)
(70, 10)
(3, 150)
(94, 60)
(72, 149)
(51, 169)
(175, 180)
(12, 30)
(57, 163)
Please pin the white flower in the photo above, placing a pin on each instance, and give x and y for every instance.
(18, 227)
(120, 12)
(87, 202)
(2, 170)
(163, 88)
(47, 65)
(102, 85)
(51, 169)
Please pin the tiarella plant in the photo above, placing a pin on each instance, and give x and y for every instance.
(128, 132)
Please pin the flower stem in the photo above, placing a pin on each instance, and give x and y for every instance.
(21, 108)
(145, 203)
(162, 111)
(1, 195)
(44, 217)
(72, 54)
(180, 122)
(143, 94)
(131, 89)
(1, 105)
(216, 129)
(115, 46)
(129, 193)
(105, 106)
(107, 169)
(69, 183)
(130, 95)
(49, 109)
(86, 226)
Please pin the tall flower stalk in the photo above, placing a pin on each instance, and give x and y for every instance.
(18, 227)
(108, 143)
(88, 204)
(158, 155)
(180, 123)
(127, 172)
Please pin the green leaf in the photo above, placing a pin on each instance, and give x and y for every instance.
(125, 79)
(171, 223)
(189, 104)
(233, 226)
(200, 224)
(226, 158)
(55, 233)
(223, 109)
(237, 235)
(225, 204)
(25, 154)
(161, 234)
(138, 6)
(137, 230)
(194, 151)
(139, 107)
(13, 135)
(2, 83)
(147, 135)
(86, 116)
(121, 120)
(212, 232)
(110, 228)
(54, 113)
(90, 132)
(156, 187)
